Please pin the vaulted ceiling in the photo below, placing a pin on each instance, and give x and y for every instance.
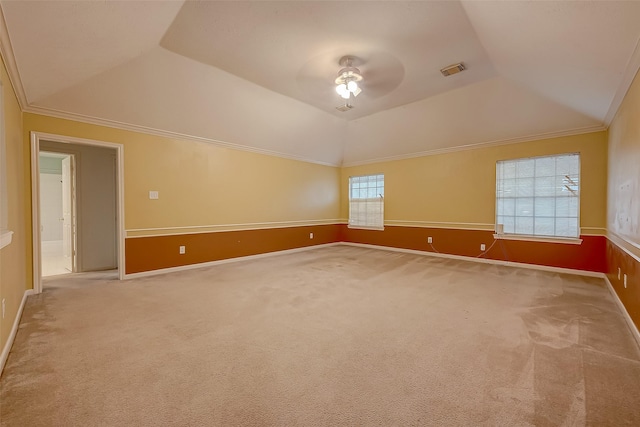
(260, 75)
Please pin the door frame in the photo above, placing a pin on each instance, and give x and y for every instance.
(36, 137)
(73, 212)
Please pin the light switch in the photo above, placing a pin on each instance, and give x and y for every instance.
(153, 195)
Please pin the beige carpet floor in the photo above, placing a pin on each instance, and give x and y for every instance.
(335, 336)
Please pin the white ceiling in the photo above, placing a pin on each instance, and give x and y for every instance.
(259, 74)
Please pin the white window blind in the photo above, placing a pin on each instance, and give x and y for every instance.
(366, 201)
(539, 196)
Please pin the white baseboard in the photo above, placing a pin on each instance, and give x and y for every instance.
(14, 330)
(225, 261)
(623, 309)
(481, 260)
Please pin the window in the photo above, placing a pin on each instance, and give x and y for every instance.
(366, 202)
(539, 196)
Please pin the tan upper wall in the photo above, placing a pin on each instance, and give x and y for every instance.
(457, 189)
(203, 184)
(15, 274)
(623, 204)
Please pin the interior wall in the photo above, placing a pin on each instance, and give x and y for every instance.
(206, 189)
(15, 268)
(623, 204)
(455, 191)
(458, 188)
(95, 204)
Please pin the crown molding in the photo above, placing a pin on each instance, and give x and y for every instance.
(625, 83)
(6, 50)
(536, 137)
(8, 56)
(50, 112)
(177, 135)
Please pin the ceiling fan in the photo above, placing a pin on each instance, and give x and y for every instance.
(347, 82)
(318, 79)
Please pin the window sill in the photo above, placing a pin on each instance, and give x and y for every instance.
(5, 238)
(527, 238)
(362, 227)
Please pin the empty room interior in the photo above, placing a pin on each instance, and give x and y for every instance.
(320, 213)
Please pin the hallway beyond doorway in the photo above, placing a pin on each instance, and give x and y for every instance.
(53, 261)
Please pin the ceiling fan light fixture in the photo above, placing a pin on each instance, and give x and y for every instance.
(348, 78)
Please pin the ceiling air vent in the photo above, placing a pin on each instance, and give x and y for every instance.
(453, 69)
(345, 107)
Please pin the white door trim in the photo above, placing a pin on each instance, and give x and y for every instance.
(36, 137)
(69, 211)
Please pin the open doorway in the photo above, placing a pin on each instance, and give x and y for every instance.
(57, 213)
(87, 221)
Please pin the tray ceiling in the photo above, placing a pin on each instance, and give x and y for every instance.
(259, 75)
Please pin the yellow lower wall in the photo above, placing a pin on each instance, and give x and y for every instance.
(457, 189)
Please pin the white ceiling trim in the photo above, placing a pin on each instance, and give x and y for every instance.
(164, 133)
(627, 78)
(175, 135)
(570, 132)
(8, 56)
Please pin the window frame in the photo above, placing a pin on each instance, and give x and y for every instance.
(500, 234)
(350, 223)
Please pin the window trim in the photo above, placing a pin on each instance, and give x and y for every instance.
(364, 227)
(499, 235)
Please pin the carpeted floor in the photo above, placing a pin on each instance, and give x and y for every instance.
(333, 336)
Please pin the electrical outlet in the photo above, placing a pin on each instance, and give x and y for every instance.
(482, 247)
(625, 281)
(3, 307)
(154, 195)
(618, 273)
(311, 235)
(429, 239)
(183, 250)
